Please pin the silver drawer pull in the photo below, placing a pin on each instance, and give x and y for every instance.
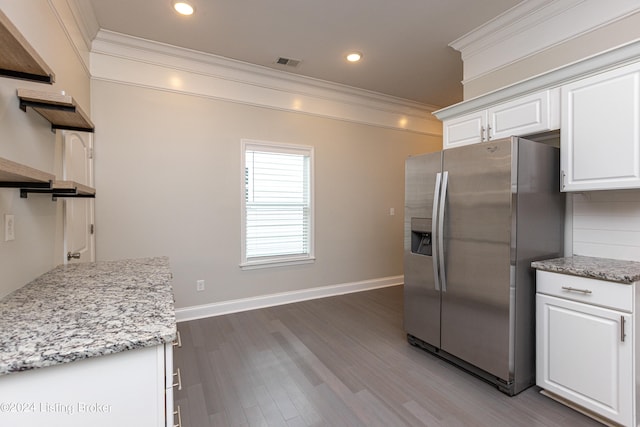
(179, 417)
(622, 333)
(570, 289)
(178, 341)
(179, 383)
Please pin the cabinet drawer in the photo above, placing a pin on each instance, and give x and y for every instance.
(613, 295)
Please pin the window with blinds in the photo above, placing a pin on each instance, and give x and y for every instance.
(277, 204)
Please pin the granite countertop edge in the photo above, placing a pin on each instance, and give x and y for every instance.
(79, 311)
(607, 269)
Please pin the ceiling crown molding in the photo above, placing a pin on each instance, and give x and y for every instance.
(133, 60)
(531, 27)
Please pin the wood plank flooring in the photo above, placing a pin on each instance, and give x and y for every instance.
(339, 361)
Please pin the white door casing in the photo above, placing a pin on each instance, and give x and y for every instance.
(79, 236)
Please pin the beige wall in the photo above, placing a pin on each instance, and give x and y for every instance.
(600, 40)
(27, 139)
(169, 183)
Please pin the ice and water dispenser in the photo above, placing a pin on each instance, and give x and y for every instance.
(421, 239)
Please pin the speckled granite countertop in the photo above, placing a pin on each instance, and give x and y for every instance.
(85, 310)
(613, 270)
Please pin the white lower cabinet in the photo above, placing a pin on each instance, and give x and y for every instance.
(173, 379)
(121, 389)
(585, 344)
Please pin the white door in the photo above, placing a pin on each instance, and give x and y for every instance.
(79, 237)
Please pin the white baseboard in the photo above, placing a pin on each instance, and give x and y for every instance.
(244, 304)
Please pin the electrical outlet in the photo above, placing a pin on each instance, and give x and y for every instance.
(9, 228)
(199, 285)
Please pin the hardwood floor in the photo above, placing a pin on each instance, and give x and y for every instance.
(340, 361)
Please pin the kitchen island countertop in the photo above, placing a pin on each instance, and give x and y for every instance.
(77, 311)
(613, 270)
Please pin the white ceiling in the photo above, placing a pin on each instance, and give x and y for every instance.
(404, 42)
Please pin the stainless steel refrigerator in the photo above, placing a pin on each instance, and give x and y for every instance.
(475, 218)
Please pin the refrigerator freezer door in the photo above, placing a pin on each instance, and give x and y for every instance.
(477, 246)
(421, 290)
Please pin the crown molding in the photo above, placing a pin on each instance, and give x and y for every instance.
(85, 19)
(132, 60)
(531, 27)
(615, 57)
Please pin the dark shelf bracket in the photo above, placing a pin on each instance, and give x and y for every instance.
(65, 127)
(26, 76)
(23, 185)
(55, 193)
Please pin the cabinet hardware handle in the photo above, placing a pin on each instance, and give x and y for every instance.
(564, 179)
(179, 414)
(179, 383)
(73, 255)
(570, 289)
(488, 132)
(481, 133)
(622, 334)
(178, 342)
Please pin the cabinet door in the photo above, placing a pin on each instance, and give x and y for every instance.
(533, 113)
(169, 384)
(582, 357)
(600, 132)
(464, 130)
(121, 389)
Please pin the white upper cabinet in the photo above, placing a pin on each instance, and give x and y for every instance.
(464, 130)
(537, 112)
(600, 132)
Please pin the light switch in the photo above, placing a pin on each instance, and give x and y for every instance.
(9, 228)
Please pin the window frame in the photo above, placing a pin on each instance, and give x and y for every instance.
(279, 260)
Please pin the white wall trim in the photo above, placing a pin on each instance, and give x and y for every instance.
(234, 306)
(531, 27)
(86, 20)
(131, 60)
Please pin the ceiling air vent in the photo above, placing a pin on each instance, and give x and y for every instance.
(288, 62)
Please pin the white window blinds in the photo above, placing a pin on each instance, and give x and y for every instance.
(277, 203)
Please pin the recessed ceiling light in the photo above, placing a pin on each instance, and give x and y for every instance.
(183, 8)
(354, 57)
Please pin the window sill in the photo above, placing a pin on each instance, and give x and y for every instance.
(253, 265)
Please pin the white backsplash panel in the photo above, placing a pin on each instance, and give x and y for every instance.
(607, 224)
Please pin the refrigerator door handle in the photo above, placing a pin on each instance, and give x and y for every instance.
(434, 230)
(441, 211)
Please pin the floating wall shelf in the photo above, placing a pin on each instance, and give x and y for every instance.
(16, 175)
(30, 180)
(60, 110)
(18, 59)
